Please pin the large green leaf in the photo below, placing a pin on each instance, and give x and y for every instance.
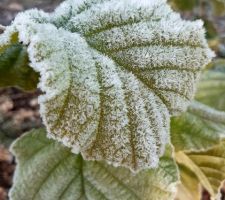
(200, 128)
(211, 89)
(46, 170)
(112, 74)
(208, 166)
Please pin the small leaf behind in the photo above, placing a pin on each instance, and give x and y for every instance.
(14, 68)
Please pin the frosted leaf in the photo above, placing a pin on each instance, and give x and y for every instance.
(23, 27)
(47, 170)
(113, 73)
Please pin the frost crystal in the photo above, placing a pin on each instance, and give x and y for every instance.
(113, 73)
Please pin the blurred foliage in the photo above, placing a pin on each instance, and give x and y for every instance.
(211, 89)
(15, 70)
(191, 132)
(183, 5)
(14, 66)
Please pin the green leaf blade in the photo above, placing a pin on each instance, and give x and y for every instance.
(199, 129)
(48, 170)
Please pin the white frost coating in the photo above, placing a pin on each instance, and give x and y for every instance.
(112, 73)
(6, 38)
(68, 9)
(69, 79)
(24, 25)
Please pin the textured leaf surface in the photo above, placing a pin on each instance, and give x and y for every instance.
(200, 128)
(208, 167)
(48, 170)
(113, 73)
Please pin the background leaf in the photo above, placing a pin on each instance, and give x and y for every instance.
(211, 89)
(200, 128)
(15, 69)
(189, 188)
(209, 163)
(48, 170)
(14, 64)
(183, 5)
(183, 159)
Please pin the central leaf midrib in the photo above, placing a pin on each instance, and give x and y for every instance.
(96, 189)
(118, 180)
(68, 155)
(130, 127)
(130, 113)
(154, 90)
(83, 190)
(101, 111)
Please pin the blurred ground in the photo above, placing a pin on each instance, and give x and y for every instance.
(18, 114)
(9, 8)
(19, 111)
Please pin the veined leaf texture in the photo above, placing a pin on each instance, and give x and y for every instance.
(47, 170)
(112, 73)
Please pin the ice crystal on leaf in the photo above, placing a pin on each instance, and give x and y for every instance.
(112, 73)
